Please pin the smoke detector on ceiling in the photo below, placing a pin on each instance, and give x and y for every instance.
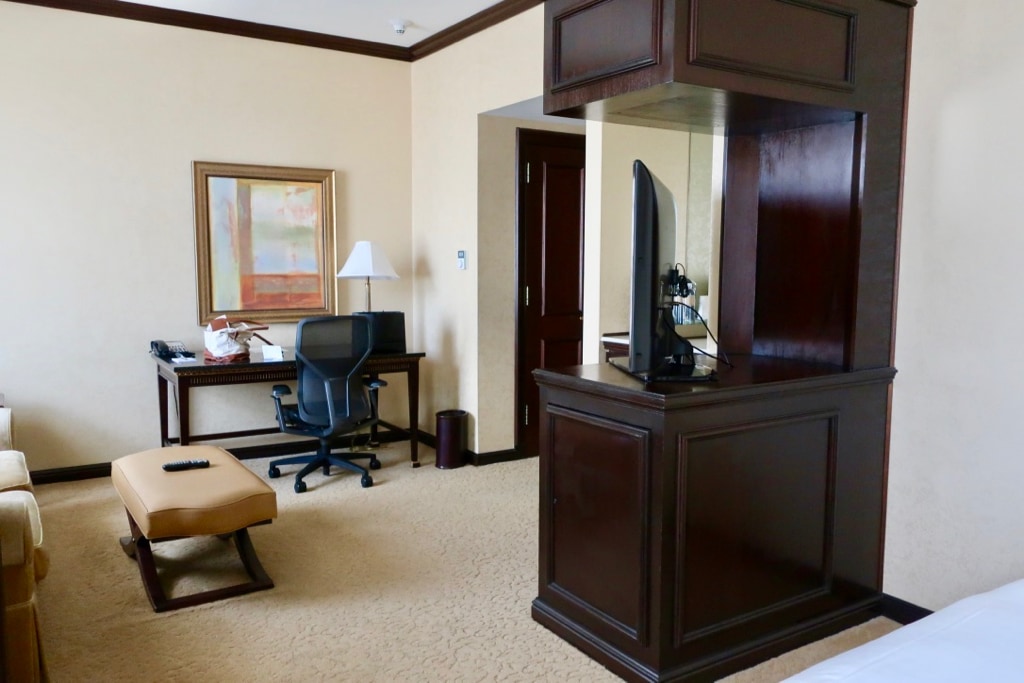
(399, 25)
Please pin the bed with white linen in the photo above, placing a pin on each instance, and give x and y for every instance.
(980, 638)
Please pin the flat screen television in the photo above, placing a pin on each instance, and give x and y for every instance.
(656, 352)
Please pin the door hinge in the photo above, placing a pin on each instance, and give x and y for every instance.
(526, 415)
(527, 172)
(526, 296)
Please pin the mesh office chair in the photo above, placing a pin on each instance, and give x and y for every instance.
(333, 398)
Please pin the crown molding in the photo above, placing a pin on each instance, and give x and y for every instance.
(478, 22)
(248, 29)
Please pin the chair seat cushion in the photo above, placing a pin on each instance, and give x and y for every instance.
(219, 499)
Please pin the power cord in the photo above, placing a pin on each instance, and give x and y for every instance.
(720, 356)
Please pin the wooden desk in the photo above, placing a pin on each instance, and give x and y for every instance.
(182, 377)
(616, 344)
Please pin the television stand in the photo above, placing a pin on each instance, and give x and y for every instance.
(669, 372)
(688, 531)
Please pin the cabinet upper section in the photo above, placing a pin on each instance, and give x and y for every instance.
(711, 63)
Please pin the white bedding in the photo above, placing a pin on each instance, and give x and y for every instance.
(978, 639)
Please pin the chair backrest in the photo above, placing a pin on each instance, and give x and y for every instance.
(331, 350)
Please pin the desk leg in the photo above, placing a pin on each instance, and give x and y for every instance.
(161, 387)
(414, 413)
(183, 411)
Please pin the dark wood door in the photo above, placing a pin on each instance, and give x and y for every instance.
(549, 313)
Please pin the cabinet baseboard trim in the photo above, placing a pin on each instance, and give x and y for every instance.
(901, 611)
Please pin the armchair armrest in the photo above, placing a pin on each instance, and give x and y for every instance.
(14, 474)
(6, 429)
(21, 533)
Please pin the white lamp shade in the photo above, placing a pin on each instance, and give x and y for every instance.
(368, 260)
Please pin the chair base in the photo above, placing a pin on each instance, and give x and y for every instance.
(138, 547)
(314, 462)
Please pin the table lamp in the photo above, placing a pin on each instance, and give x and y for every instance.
(368, 260)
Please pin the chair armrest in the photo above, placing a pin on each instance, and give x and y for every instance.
(14, 474)
(6, 429)
(21, 532)
(287, 415)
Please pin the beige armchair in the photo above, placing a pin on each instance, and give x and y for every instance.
(24, 562)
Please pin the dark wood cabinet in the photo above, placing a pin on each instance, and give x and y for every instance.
(811, 95)
(690, 531)
(702, 63)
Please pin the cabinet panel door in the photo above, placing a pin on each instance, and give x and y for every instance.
(602, 39)
(808, 42)
(755, 527)
(597, 560)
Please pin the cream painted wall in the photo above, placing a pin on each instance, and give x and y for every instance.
(666, 154)
(593, 324)
(955, 512)
(703, 208)
(450, 89)
(497, 267)
(100, 120)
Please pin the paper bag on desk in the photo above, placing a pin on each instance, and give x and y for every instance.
(227, 340)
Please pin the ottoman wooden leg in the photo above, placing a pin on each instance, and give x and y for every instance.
(138, 547)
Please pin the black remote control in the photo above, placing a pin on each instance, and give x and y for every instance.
(179, 465)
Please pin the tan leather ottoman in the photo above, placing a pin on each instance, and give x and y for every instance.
(223, 500)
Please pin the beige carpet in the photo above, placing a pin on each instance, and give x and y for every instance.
(426, 576)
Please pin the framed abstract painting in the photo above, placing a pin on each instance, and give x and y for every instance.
(264, 241)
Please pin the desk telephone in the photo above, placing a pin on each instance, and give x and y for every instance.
(168, 351)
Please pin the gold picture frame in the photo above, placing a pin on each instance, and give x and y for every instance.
(264, 241)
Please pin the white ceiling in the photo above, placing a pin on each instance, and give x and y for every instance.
(360, 19)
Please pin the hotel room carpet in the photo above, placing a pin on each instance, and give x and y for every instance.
(426, 576)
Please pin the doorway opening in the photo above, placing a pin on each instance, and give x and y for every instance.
(549, 266)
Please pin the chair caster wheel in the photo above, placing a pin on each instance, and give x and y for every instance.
(374, 464)
(273, 472)
(300, 487)
(366, 481)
